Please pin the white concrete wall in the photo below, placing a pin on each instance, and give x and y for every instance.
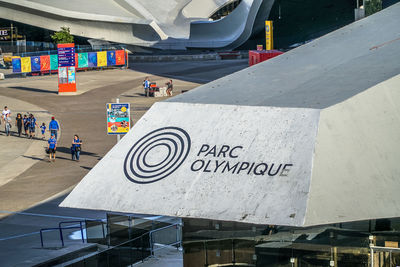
(356, 170)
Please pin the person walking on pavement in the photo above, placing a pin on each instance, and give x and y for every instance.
(51, 147)
(7, 124)
(170, 87)
(18, 122)
(54, 127)
(26, 124)
(76, 148)
(147, 86)
(32, 126)
(43, 129)
(5, 112)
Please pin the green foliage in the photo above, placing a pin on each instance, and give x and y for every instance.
(372, 6)
(63, 36)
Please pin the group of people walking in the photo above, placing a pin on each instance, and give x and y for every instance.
(27, 125)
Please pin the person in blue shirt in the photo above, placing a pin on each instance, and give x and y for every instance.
(146, 85)
(32, 125)
(43, 128)
(54, 127)
(52, 146)
(76, 147)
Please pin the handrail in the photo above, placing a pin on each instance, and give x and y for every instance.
(160, 229)
(55, 228)
(60, 229)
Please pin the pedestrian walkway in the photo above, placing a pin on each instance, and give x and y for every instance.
(20, 153)
(82, 114)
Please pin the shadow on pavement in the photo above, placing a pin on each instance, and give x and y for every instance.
(23, 88)
(67, 150)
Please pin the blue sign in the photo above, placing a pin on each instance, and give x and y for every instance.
(66, 56)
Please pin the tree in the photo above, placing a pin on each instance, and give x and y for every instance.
(63, 36)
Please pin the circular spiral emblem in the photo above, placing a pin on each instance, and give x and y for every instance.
(157, 155)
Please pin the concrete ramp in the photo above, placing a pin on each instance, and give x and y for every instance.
(310, 137)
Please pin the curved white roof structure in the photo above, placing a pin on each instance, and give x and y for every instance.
(310, 137)
(172, 24)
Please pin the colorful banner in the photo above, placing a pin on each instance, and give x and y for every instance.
(44, 63)
(269, 40)
(35, 64)
(26, 64)
(53, 62)
(83, 60)
(102, 59)
(118, 118)
(111, 58)
(16, 63)
(92, 60)
(71, 74)
(120, 57)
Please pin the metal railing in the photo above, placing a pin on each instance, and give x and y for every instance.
(178, 240)
(60, 229)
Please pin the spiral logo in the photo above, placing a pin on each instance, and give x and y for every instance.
(157, 155)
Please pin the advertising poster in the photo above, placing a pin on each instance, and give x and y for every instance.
(71, 75)
(110, 58)
(35, 64)
(62, 75)
(120, 57)
(118, 118)
(44, 63)
(53, 62)
(83, 60)
(26, 64)
(92, 60)
(102, 59)
(16, 63)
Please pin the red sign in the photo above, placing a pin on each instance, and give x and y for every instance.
(66, 68)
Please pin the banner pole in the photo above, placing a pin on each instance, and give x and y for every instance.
(118, 135)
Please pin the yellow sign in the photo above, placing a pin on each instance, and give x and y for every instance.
(269, 35)
(26, 64)
(102, 59)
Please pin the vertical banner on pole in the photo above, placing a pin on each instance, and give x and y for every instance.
(269, 35)
(111, 58)
(53, 62)
(66, 68)
(26, 64)
(120, 57)
(83, 60)
(102, 59)
(92, 60)
(16, 63)
(44, 63)
(35, 63)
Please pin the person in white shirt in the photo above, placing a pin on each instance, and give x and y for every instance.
(6, 112)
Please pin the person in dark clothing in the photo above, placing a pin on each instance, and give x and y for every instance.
(76, 148)
(18, 122)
